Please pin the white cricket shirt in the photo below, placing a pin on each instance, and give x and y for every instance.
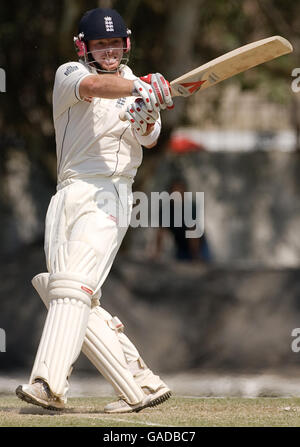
(90, 137)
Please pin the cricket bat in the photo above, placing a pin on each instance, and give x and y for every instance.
(228, 65)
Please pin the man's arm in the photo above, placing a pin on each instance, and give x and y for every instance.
(109, 87)
(106, 86)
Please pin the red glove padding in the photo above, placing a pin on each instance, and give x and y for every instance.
(155, 92)
(139, 117)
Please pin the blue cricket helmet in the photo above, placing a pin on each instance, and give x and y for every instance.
(103, 23)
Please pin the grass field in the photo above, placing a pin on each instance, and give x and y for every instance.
(176, 412)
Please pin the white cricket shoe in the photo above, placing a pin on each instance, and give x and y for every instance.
(151, 384)
(158, 396)
(38, 393)
(152, 400)
(121, 406)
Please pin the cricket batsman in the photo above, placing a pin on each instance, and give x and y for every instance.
(97, 159)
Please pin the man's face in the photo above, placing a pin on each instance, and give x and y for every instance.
(107, 52)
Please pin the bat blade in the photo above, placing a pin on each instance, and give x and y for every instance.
(230, 64)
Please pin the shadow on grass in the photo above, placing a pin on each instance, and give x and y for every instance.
(44, 412)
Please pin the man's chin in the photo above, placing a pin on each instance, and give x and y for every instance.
(110, 67)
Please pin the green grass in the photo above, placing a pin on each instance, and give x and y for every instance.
(177, 411)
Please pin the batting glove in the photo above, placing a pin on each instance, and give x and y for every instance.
(139, 117)
(155, 92)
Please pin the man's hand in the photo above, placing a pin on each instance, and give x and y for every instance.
(155, 92)
(140, 118)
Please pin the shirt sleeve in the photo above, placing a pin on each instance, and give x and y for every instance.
(66, 86)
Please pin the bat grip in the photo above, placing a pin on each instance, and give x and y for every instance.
(122, 115)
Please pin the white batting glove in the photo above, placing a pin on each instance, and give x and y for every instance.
(155, 92)
(139, 117)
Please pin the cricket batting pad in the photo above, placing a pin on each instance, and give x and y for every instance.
(103, 348)
(143, 376)
(69, 292)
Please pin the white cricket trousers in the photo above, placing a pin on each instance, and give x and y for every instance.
(95, 211)
(85, 225)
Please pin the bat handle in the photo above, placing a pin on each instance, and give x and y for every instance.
(122, 115)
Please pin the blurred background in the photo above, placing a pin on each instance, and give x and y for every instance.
(227, 305)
